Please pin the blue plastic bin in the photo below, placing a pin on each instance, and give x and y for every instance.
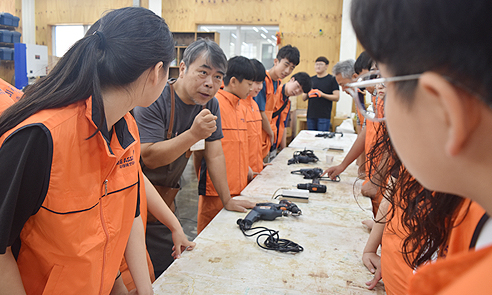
(16, 37)
(15, 21)
(6, 53)
(7, 19)
(5, 36)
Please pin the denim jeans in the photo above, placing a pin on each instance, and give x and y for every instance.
(319, 124)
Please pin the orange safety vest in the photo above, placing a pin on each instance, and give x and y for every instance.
(395, 271)
(279, 121)
(371, 139)
(462, 234)
(465, 273)
(253, 118)
(234, 143)
(271, 100)
(75, 243)
(8, 95)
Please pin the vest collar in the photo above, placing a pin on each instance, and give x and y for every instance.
(123, 134)
(233, 99)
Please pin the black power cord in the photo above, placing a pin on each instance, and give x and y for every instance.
(273, 240)
(305, 156)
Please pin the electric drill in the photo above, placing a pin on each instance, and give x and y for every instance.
(268, 211)
(313, 187)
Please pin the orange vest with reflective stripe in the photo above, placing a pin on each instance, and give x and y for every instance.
(234, 143)
(75, 243)
(253, 120)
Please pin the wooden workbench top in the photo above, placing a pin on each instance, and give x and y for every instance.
(330, 230)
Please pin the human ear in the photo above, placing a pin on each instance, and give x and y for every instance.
(156, 74)
(461, 110)
(182, 69)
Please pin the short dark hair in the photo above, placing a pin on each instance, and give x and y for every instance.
(304, 80)
(290, 53)
(213, 53)
(455, 41)
(364, 61)
(240, 68)
(260, 72)
(323, 59)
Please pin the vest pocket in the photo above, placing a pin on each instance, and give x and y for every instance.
(53, 278)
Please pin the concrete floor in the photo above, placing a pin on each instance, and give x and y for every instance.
(187, 200)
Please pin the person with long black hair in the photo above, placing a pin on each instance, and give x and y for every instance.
(69, 162)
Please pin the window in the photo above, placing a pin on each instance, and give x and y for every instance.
(64, 36)
(250, 41)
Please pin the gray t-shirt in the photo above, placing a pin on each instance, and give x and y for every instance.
(153, 123)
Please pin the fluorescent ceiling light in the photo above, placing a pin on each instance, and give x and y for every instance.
(264, 30)
(205, 29)
(263, 35)
(233, 35)
(256, 30)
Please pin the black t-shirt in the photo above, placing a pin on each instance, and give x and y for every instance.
(319, 107)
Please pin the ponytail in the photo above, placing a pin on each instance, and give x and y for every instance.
(121, 46)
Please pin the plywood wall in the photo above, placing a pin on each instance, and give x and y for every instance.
(57, 12)
(299, 21)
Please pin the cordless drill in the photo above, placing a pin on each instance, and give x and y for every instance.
(268, 211)
(313, 187)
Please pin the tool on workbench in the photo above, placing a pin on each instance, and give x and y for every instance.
(328, 134)
(313, 173)
(270, 211)
(305, 156)
(314, 187)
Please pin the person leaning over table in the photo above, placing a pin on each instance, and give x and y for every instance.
(196, 117)
(238, 83)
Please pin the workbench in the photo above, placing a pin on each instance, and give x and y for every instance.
(329, 229)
